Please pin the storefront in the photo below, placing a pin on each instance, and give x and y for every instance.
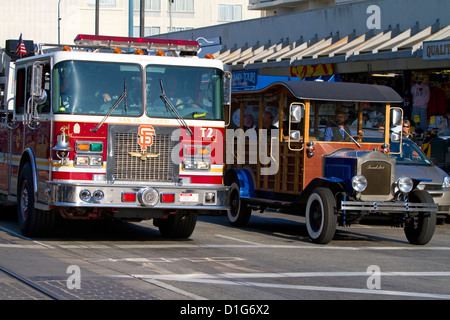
(392, 58)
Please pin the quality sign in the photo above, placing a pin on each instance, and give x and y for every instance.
(436, 50)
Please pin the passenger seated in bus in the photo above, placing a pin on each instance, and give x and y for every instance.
(267, 123)
(248, 121)
(366, 123)
(339, 130)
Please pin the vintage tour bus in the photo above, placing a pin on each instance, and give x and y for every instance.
(321, 150)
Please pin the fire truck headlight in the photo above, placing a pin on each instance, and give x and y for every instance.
(359, 183)
(81, 161)
(203, 165)
(96, 161)
(189, 165)
(89, 161)
(405, 184)
(196, 164)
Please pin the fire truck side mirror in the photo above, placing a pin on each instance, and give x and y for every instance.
(227, 88)
(37, 80)
(39, 94)
(40, 99)
(227, 94)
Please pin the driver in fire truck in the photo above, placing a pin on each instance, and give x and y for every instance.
(175, 93)
(71, 85)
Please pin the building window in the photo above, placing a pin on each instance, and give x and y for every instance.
(149, 5)
(148, 31)
(230, 12)
(183, 6)
(109, 3)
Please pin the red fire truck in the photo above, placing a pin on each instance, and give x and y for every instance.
(112, 128)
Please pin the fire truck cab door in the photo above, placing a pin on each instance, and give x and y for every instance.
(30, 118)
(5, 143)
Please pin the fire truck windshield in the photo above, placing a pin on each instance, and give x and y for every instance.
(196, 93)
(92, 88)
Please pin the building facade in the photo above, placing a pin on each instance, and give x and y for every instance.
(280, 7)
(46, 21)
(389, 42)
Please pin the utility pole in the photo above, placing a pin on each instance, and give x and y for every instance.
(97, 15)
(142, 16)
(130, 18)
(170, 14)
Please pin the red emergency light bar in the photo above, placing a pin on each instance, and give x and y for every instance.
(137, 43)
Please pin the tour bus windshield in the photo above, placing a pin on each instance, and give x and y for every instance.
(196, 93)
(92, 88)
(325, 115)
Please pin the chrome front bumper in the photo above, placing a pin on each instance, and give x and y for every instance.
(206, 197)
(387, 207)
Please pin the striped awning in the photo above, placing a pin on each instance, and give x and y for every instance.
(389, 44)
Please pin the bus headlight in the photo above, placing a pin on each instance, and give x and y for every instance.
(359, 183)
(405, 184)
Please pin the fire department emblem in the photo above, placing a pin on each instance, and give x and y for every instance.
(146, 135)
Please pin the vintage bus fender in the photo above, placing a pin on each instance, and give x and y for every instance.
(336, 185)
(244, 178)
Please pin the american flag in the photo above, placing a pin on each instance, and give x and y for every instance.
(20, 49)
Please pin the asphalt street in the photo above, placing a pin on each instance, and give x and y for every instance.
(271, 259)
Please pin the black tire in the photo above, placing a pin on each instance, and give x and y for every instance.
(420, 229)
(321, 219)
(32, 222)
(239, 213)
(178, 225)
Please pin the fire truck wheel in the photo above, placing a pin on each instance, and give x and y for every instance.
(321, 219)
(32, 222)
(239, 213)
(420, 229)
(178, 225)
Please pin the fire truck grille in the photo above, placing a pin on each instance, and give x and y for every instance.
(378, 175)
(131, 163)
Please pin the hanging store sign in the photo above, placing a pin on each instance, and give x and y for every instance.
(313, 70)
(436, 50)
(244, 79)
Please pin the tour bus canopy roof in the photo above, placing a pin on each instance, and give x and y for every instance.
(333, 91)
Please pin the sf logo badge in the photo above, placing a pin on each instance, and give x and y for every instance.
(146, 134)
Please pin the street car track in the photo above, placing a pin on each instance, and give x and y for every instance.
(29, 284)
